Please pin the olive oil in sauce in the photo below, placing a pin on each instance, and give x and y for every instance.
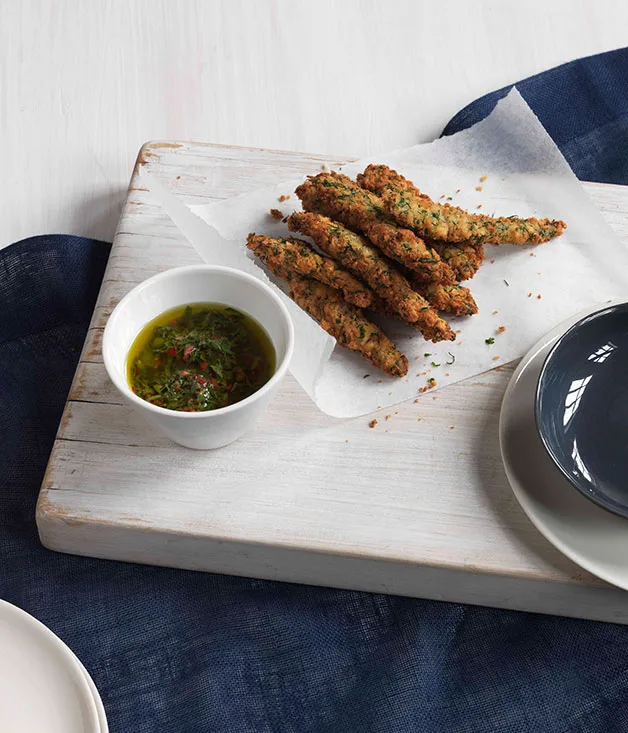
(200, 357)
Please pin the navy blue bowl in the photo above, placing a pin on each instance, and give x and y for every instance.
(582, 407)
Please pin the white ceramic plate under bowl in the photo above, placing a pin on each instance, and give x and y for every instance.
(592, 537)
(42, 685)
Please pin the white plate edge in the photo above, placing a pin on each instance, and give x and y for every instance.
(67, 654)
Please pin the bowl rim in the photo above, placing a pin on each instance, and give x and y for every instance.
(173, 272)
(602, 312)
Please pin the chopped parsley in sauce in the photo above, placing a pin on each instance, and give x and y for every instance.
(200, 357)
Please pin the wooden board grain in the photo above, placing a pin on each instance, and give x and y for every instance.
(411, 507)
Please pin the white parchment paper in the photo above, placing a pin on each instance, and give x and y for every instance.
(526, 290)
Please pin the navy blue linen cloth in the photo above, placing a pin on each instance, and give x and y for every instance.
(178, 651)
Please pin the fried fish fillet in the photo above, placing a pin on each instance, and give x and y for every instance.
(347, 324)
(380, 178)
(413, 209)
(453, 299)
(351, 205)
(288, 257)
(464, 258)
(338, 197)
(366, 262)
(409, 250)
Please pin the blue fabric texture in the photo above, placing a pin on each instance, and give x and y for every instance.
(584, 107)
(181, 651)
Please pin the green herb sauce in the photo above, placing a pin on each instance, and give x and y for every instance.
(200, 357)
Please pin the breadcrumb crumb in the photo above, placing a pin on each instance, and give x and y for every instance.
(495, 313)
(276, 214)
(501, 329)
(496, 358)
(452, 427)
(538, 297)
(284, 197)
(478, 188)
(373, 423)
(479, 206)
(529, 295)
(388, 416)
(484, 178)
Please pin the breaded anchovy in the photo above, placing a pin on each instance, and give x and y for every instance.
(288, 257)
(364, 261)
(340, 198)
(463, 258)
(413, 209)
(348, 325)
(452, 299)
(382, 308)
(348, 203)
(380, 178)
(406, 248)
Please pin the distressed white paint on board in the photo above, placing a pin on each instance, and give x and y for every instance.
(410, 507)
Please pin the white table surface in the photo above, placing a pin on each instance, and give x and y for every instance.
(83, 83)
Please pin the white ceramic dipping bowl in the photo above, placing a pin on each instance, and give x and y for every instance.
(198, 284)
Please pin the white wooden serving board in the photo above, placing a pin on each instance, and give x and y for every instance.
(410, 507)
